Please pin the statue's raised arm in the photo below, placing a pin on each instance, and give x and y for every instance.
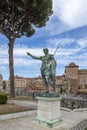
(34, 57)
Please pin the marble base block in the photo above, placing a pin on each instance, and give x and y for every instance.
(48, 111)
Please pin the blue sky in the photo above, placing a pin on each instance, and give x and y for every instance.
(67, 27)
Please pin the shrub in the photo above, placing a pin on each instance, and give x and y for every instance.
(3, 98)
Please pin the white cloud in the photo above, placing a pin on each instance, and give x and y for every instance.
(3, 61)
(66, 43)
(82, 42)
(60, 41)
(25, 61)
(71, 12)
(67, 52)
(22, 51)
(21, 58)
(3, 50)
(63, 56)
(55, 26)
(3, 68)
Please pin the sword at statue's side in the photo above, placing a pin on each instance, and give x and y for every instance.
(55, 50)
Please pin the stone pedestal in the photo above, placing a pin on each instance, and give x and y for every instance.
(48, 111)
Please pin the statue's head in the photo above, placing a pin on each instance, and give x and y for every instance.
(46, 51)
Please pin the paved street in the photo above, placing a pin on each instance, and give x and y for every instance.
(69, 119)
(31, 104)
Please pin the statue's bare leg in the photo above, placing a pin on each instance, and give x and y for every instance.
(46, 84)
(53, 86)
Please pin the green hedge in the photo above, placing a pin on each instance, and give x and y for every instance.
(3, 98)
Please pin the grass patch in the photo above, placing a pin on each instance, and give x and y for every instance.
(21, 98)
(12, 108)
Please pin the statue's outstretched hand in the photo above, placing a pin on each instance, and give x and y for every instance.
(28, 53)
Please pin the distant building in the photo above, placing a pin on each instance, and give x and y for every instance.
(76, 78)
(60, 81)
(82, 78)
(70, 82)
(25, 85)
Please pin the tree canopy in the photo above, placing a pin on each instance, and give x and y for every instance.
(22, 16)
